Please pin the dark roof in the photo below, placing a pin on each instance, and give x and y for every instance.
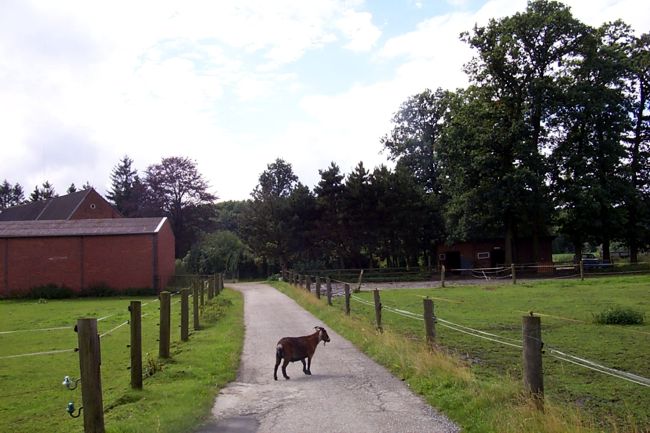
(84, 227)
(57, 208)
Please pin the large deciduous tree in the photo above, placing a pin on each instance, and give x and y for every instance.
(177, 189)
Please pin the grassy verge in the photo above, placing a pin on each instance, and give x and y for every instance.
(478, 385)
(176, 397)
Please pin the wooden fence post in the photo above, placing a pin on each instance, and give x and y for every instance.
(377, 309)
(358, 289)
(442, 276)
(165, 315)
(202, 293)
(212, 286)
(514, 273)
(317, 286)
(185, 314)
(135, 308)
(429, 320)
(195, 307)
(328, 285)
(221, 277)
(91, 378)
(532, 358)
(582, 270)
(347, 298)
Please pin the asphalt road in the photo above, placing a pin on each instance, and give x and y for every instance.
(347, 392)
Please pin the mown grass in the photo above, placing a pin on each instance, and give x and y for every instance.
(176, 398)
(478, 382)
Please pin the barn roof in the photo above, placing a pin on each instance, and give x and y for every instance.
(84, 227)
(56, 208)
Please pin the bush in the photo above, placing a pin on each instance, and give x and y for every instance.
(619, 316)
(99, 291)
(50, 291)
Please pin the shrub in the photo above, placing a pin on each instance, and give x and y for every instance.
(50, 291)
(99, 291)
(619, 316)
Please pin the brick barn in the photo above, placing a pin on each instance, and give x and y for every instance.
(72, 250)
(490, 253)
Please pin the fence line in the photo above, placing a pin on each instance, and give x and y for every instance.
(555, 353)
(50, 352)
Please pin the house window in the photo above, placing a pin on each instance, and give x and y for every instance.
(442, 256)
(483, 256)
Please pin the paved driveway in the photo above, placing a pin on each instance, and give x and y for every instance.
(347, 392)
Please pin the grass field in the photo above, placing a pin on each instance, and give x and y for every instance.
(175, 398)
(600, 402)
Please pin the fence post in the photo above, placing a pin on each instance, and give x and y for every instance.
(347, 298)
(308, 283)
(165, 310)
(195, 307)
(202, 294)
(185, 314)
(582, 270)
(377, 309)
(532, 358)
(442, 276)
(514, 273)
(135, 308)
(212, 286)
(328, 284)
(317, 286)
(358, 289)
(221, 277)
(91, 378)
(429, 320)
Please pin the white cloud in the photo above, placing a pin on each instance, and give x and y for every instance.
(359, 29)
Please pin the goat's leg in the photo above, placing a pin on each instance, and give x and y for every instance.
(308, 371)
(284, 369)
(304, 366)
(275, 370)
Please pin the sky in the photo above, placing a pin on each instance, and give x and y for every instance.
(231, 84)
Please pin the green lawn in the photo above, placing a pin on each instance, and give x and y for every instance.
(175, 399)
(566, 308)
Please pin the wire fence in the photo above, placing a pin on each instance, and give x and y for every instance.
(552, 351)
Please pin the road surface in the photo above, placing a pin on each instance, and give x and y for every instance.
(347, 392)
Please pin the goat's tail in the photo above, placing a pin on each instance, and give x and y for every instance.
(279, 352)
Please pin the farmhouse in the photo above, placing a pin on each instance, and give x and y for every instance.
(86, 204)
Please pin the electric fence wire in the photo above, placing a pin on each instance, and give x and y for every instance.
(555, 353)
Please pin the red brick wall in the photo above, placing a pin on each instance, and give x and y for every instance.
(119, 262)
(166, 255)
(35, 262)
(94, 206)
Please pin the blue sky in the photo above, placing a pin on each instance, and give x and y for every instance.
(232, 84)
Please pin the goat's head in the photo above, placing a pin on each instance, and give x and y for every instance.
(322, 334)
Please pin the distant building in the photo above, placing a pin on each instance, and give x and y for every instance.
(80, 241)
(86, 204)
(490, 253)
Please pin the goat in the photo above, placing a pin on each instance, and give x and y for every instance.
(294, 349)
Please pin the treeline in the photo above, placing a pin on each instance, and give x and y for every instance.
(551, 137)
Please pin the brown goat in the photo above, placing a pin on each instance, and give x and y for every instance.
(294, 349)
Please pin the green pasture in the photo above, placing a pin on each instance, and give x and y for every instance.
(566, 308)
(176, 397)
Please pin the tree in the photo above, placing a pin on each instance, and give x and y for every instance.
(330, 229)
(589, 180)
(175, 186)
(10, 195)
(358, 217)
(72, 188)
(126, 191)
(266, 226)
(520, 69)
(413, 141)
(45, 192)
(637, 234)
(221, 251)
